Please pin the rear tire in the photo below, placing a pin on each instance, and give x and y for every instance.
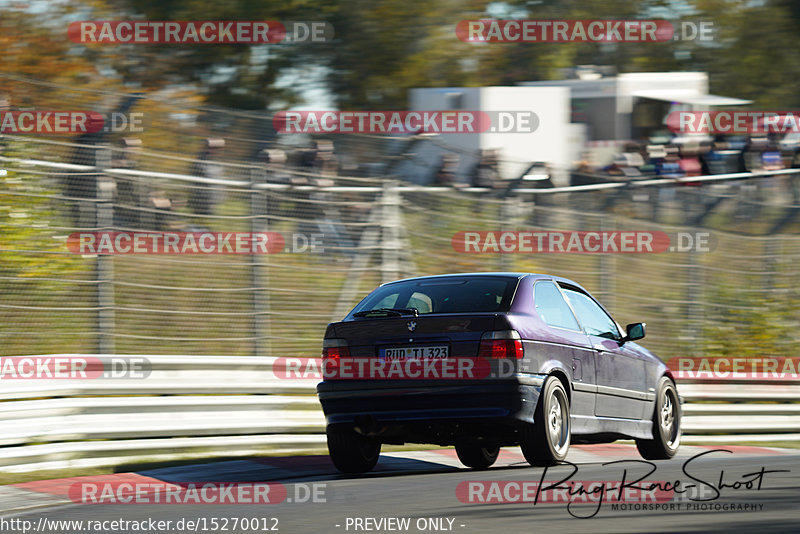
(546, 441)
(666, 424)
(351, 452)
(475, 456)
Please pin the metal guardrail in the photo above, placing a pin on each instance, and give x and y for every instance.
(610, 183)
(196, 406)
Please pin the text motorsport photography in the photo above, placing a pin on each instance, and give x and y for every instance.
(632, 488)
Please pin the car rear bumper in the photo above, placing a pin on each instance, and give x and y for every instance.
(381, 403)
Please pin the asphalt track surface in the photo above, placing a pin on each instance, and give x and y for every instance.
(421, 487)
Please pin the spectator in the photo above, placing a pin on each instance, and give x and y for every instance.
(750, 157)
(129, 197)
(445, 174)
(771, 157)
(325, 162)
(670, 167)
(204, 197)
(485, 173)
(274, 161)
(689, 161)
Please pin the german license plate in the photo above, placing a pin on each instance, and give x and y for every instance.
(420, 352)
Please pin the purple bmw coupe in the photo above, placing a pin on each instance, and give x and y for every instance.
(488, 360)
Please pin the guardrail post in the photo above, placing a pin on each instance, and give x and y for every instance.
(104, 267)
(390, 232)
(259, 273)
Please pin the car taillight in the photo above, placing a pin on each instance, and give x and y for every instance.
(335, 349)
(501, 344)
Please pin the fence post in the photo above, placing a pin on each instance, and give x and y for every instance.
(510, 217)
(694, 297)
(390, 231)
(259, 273)
(104, 265)
(769, 268)
(608, 267)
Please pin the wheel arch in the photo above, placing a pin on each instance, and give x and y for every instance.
(562, 377)
(669, 375)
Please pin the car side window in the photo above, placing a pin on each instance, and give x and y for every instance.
(595, 320)
(551, 307)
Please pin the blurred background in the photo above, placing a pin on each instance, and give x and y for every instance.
(208, 157)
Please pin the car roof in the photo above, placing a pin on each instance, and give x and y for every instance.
(537, 276)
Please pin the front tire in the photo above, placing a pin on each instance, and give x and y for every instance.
(475, 456)
(666, 424)
(546, 441)
(351, 452)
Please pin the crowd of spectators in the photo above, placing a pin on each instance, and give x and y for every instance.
(680, 157)
(318, 164)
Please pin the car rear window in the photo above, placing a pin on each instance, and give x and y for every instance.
(444, 295)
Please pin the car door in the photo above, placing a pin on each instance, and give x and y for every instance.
(568, 344)
(619, 372)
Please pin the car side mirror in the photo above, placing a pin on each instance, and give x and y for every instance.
(634, 331)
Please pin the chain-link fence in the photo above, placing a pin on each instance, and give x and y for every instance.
(345, 235)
